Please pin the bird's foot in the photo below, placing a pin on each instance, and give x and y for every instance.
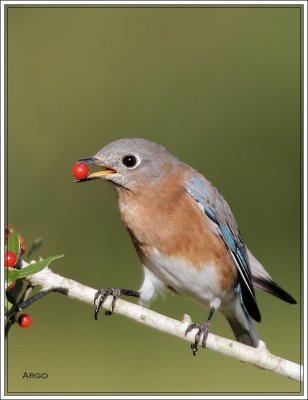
(203, 331)
(102, 294)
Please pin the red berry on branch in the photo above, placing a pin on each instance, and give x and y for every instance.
(8, 230)
(12, 285)
(10, 259)
(23, 248)
(80, 170)
(25, 320)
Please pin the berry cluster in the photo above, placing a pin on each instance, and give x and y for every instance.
(11, 260)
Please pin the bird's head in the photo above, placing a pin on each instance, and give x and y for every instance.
(132, 163)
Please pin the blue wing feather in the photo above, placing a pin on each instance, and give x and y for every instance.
(217, 209)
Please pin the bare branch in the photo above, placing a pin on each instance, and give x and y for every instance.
(259, 357)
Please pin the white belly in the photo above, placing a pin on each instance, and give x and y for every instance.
(199, 284)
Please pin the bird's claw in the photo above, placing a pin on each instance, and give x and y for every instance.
(100, 297)
(203, 331)
(102, 294)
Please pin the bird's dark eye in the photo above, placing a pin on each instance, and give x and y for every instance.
(130, 161)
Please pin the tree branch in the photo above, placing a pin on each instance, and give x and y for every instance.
(259, 357)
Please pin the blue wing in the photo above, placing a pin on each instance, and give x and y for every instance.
(217, 209)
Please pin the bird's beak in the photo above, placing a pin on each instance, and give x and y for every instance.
(107, 171)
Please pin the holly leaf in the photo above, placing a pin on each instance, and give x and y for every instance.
(13, 273)
(12, 295)
(35, 246)
(8, 304)
(13, 243)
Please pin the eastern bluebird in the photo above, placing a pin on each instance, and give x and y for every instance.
(185, 235)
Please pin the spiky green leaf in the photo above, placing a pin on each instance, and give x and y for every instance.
(13, 243)
(35, 246)
(13, 273)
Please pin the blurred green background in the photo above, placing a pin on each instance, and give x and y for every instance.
(220, 88)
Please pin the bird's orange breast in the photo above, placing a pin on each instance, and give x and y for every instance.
(166, 218)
